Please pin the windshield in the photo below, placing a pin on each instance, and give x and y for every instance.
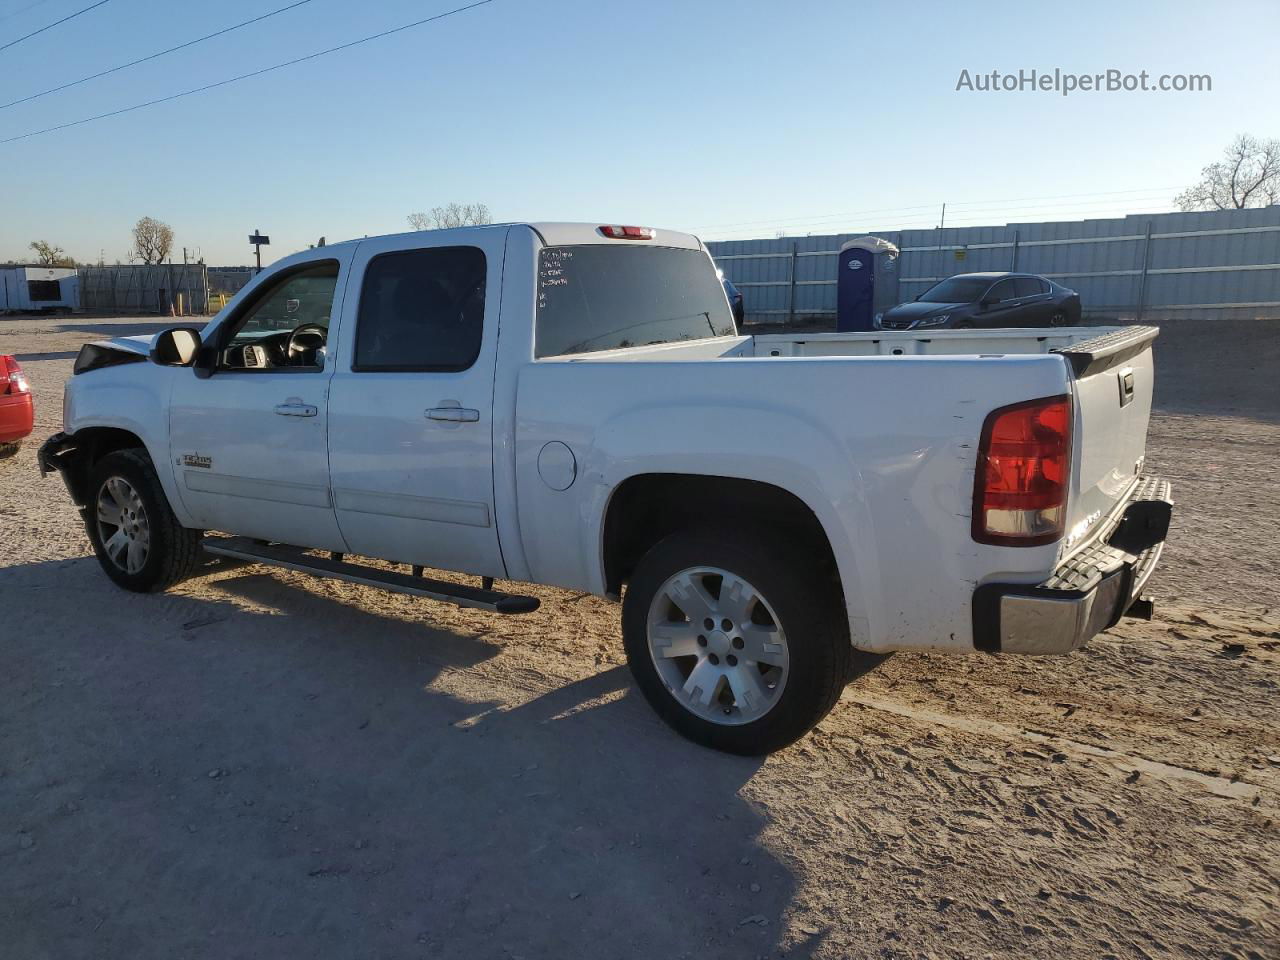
(956, 290)
(601, 297)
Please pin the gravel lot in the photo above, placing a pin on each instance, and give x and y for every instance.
(259, 764)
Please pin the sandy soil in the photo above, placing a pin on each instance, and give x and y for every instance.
(259, 764)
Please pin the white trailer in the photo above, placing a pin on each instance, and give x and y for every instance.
(38, 289)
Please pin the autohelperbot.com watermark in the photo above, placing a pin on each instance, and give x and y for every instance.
(1065, 83)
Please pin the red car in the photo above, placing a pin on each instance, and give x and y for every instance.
(16, 410)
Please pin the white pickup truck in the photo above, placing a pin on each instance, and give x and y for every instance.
(571, 404)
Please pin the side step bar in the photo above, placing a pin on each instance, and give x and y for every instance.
(295, 558)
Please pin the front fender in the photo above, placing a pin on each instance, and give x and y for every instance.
(133, 398)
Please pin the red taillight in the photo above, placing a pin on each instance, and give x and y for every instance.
(628, 233)
(1023, 472)
(11, 378)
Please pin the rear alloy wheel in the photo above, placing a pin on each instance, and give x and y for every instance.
(740, 643)
(138, 541)
(717, 645)
(1058, 319)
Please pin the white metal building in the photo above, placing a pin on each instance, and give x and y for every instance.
(33, 289)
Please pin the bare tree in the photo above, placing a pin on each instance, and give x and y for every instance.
(49, 255)
(152, 240)
(1248, 175)
(453, 215)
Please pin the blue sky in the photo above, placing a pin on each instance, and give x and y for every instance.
(727, 118)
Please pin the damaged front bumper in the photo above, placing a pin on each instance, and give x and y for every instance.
(55, 455)
(1089, 592)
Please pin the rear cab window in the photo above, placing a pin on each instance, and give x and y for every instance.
(594, 297)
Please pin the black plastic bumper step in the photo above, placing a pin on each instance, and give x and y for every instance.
(296, 558)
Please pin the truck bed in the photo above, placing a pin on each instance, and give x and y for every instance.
(876, 432)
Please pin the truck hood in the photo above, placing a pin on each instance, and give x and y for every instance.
(140, 344)
(109, 353)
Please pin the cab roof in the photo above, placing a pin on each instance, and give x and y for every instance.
(554, 233)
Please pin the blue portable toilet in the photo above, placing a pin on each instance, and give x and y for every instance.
(866, 282)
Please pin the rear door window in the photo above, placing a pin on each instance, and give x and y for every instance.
(421, 310)
(596, 297)
(1028, 286)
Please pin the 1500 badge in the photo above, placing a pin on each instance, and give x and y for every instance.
(195, 460)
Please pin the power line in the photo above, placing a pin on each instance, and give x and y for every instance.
(70, 16)
(154, 56)
(1062, 196)
(907, 218)
(821, 218)
(29, 6)
(247, 76)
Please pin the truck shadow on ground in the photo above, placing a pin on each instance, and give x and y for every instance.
(285, 773)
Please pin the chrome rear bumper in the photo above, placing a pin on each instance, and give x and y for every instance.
(1089, 592)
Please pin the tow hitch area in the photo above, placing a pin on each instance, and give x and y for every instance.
(1143, 608)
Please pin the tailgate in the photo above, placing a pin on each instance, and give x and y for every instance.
(1112, 394)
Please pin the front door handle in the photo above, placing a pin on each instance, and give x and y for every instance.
(295, 409)
(454, 414)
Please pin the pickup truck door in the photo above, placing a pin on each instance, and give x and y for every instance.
(248, 441)
(411, 404)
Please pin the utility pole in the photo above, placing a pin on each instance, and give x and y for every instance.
(942, 262)
(259, 241)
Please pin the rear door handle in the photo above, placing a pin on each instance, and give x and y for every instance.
(454, 414)
(296, 410)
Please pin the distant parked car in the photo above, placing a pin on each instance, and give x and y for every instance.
(16, 411)
(735, 300)
(986, 300)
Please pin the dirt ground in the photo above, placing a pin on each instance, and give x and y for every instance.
(259, 764)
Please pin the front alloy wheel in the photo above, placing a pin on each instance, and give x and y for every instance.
(123, 528)
(135, 535)
(717, 645)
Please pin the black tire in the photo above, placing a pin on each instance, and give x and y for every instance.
(806, 600)
(8, 450)
(173, 552)
(963, 325)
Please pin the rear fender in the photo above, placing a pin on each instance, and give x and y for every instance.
(710, 444)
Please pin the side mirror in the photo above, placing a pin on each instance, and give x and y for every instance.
(987, 301)
(176, 347)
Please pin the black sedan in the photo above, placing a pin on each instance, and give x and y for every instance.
(986, 300)
(735, 300)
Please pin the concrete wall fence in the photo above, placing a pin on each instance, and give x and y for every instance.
(1213, 264)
